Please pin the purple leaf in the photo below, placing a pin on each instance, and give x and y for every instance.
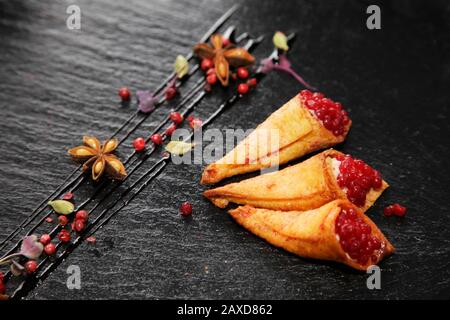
(283, 64)
(31, 247)
(147, 101)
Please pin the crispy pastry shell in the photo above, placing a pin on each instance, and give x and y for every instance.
(299, 133)
(309, 234)
(304, 186)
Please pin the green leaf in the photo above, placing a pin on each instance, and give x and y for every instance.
(62, 206)
(181, 66)
(280, 41)
(179, 147)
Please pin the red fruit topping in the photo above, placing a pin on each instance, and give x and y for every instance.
(2, 276)
(67, 196)
(358, 178)
(242, 88)
(186, 209)
(45, 239)
(355, 236)
(139, 144)
(49, 219)
(91, 239)
(78, 225)
(252, 82)
(82, 215)
(63, 220)
(31, 266)
(242, 73)
(330, 113)
(395, 209)
(124, 93)
(50, 249)
(206, 64)
(156, 138)
(211, 79)
(176, 117)
(196, 123)
(64, 235)
(169, 131)
(171, 92)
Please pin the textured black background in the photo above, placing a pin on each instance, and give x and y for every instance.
(57, 84)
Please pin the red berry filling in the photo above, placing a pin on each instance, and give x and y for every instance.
(355, 236)
(395, 209)
(356, 178)
(330, 113)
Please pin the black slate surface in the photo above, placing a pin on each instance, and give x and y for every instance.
(57, 84)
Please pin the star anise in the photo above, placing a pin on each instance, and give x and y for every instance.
(223, 57)
(99, 158)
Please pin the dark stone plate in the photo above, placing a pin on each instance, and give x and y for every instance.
(57, 84)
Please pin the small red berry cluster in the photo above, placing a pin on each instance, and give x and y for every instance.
(207, 65)
(357, 178)
(330, 113)
(355, 236)
(395, 210)
(77, 225)
(157, 138)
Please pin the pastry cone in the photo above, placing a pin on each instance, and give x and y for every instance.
(315, 234)
(304, 186)
(289, 133)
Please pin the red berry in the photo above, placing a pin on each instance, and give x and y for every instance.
(252, 82)
(31, 266)
(139, 144)
(82, 215)
(45, 239)
(186, 209)
(63, 220)
(79, 225)
(206, 64)
(225, 41)
(156, 138)
(2, 277)
(49, 219)
(2, 287)
(50, 249)
(68, 196)
(124, 93)
(91, 239)
(211, 79)
(242, 88)
(242, 73)
(395, 209)
(171, 92)
(196, 123)
(169, 131)
(176, 117)
(64, 235)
